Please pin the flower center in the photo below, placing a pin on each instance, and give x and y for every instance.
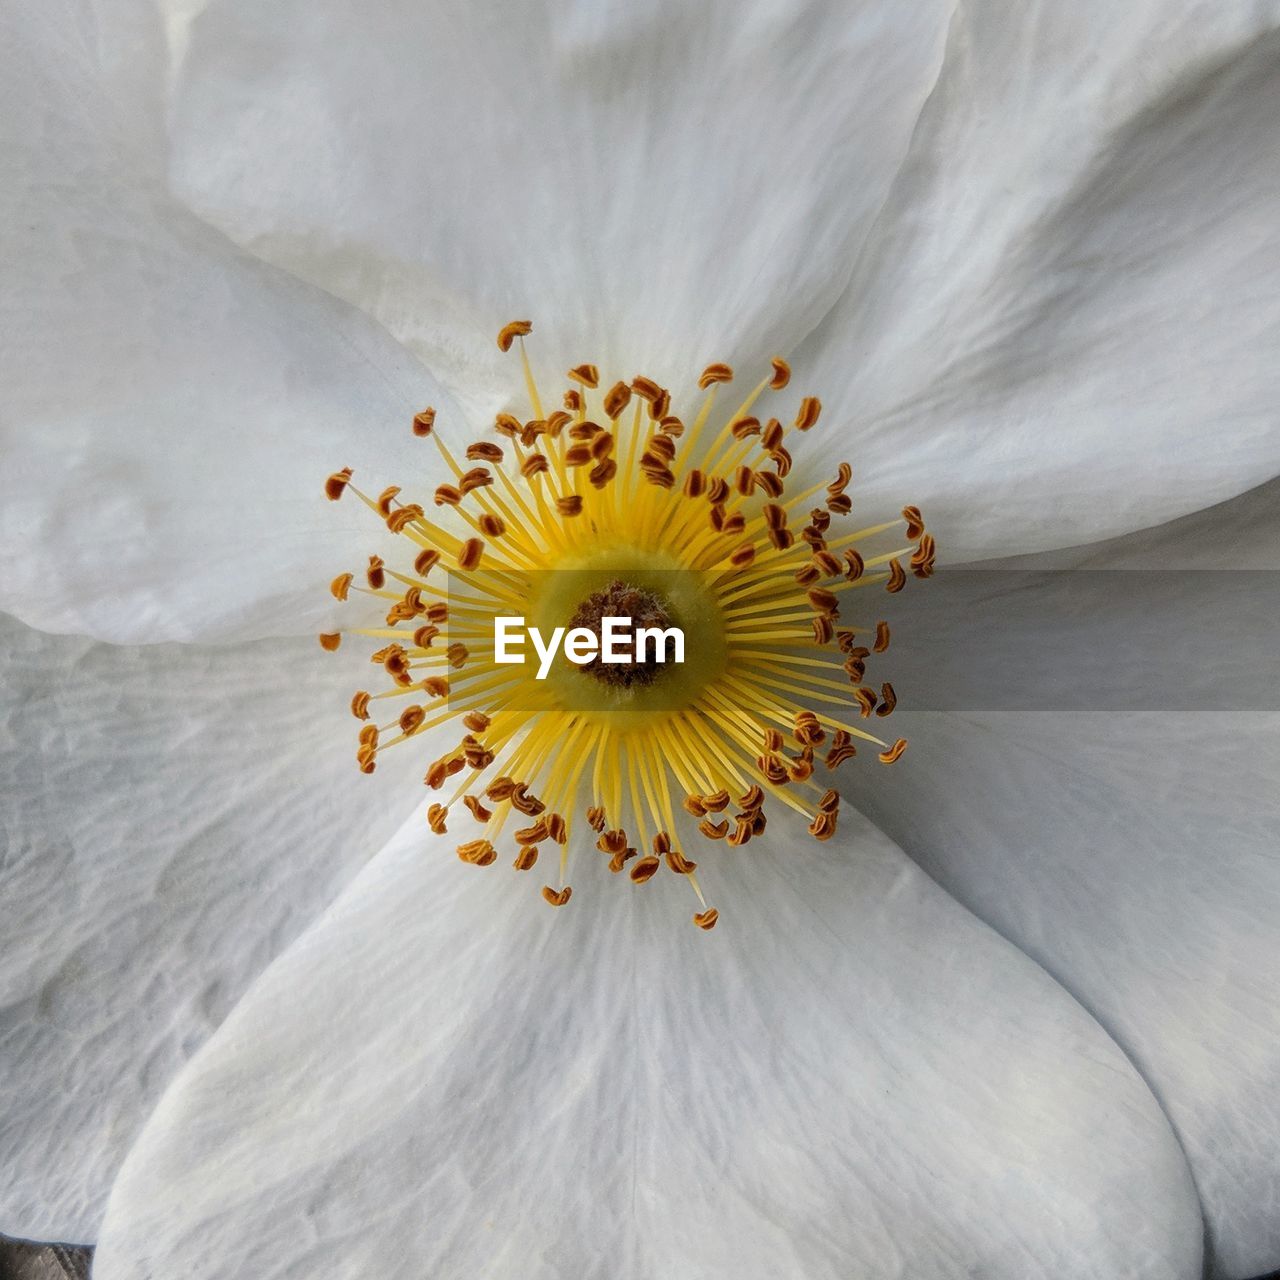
(613, 507)
(641, 608)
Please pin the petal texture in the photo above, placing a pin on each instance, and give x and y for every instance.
(169, 824)
(1063, 325)
(171, 405)
(1136, 853)
(850, 1076)
(657, 184)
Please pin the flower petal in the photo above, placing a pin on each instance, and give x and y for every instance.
(1064, 323)
(850, 1076)
(1136, 853)
(657, 185)
(169, 825)
(172, 405)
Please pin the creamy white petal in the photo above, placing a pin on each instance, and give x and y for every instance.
(850, 1076)
(656, 184)
(172, 818)
(1134, 852)
(172, 405)
(1063, 326)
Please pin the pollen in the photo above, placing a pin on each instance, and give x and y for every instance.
(645, 767)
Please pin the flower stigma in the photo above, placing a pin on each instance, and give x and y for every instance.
(611, 507)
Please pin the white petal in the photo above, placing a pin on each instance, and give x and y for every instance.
(656, 184)
(1065, 321)
(1134, 852)
(173, 817)
(172, 406)
(850, 1076)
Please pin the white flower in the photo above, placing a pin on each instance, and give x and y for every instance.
(1030, 257)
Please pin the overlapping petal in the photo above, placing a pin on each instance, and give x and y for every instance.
(173, 817)
(1134, 850)
(172, 405)
(1063, 324)
(850, 1076)
(658, 184)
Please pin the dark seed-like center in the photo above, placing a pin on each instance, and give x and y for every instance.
(644, 608)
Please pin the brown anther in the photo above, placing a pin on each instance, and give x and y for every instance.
(425, 561)
(752, 798)
(741, 832)
(894, 753)
(706, 919)
(479, 853)
(477, 755)
(436, 815)
(375, 575)
(457, 654)
(823, 826)
(661, 843)
(596, 819)
(694, 805)
(438, 612)
(578, 455)
(695, 484)
(734, 523)
(616, 399)
(601, 445)
(447, 495)
(806, 574)
(478, 811)
(360, 704)
(507, 425)
(775, 517)
(717, 490)
(510, 332)
(534, 465)
(679, 863)
(436, 687)
(714, 830)
(840, 504)
(882, 637)
(923, 560)
(366, 759)
(531, 431)
(411, 719)
(557, 422)
(663, 446)
(402, 516)
(823, 628)
(570, 504)
(771, 435)
(743, 556)
(745, 428)
(620, 859)
(340, 586)
(773, 740)
(671, 426)
(813, 536)
(533, 834)
(839, 754)
(781, 373)
(336, 483)
(526, 858)
(435, 775)
(660, 407)
(557, 898)
(476, 721)
(745, 481)
(865, 699)
(716, 517)
(573, 400)
(492, 526)
(820, 519)
(715, 373)
(424, 422)
(844, 473)
(782, 538)
(645, 388)
(855, 565)
(384, 500)
(586, 375)
(525, 803)
(781, 459)
(773, 769)
(915, 522)
(810, 408)
(470, 553)
(770, 482)
(501, 788)
(897, 578)
(476, 478)
(612, 841)
(888, 700)
(716, 801)
(645, 869)
(828, 564)
(330, 640)
(663, 477)
(824, 601)
(557, 828)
